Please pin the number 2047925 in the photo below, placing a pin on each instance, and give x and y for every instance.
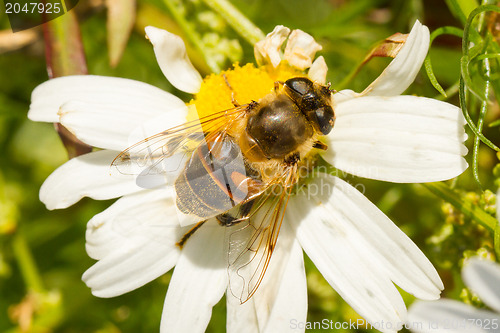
(32, 7)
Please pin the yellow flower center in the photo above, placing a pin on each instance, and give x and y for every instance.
(245, 83)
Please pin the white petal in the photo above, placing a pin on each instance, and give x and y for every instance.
(300, 49)
(318, 70)
(241, 318)
(403, 69)
(174, 62)
(198, 282)
(359, 250)
(447, 316)
(85, 176)
(281, 299)
(150, 213)
(106, 93)
(398, 139)
(483, 277)
(291, 301)
(268, 49)
(342, 96)
(110, 127)
(135, 240)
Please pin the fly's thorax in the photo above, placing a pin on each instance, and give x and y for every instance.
(276, 127)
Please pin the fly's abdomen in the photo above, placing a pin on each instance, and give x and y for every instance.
(213, 181)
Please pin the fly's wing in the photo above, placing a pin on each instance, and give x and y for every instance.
(159, 159)
(251, 242)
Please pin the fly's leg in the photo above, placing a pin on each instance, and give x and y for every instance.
(233, 99)
(320, 145)
(227, 220)
(277, 85)
(188, 234)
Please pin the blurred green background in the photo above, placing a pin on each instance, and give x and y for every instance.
(42, 253)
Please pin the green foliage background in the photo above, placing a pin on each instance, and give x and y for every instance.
(42, 253)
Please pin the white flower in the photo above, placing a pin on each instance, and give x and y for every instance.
(483, 278)
(359, 251)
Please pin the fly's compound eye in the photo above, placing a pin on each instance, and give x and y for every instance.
(299, 86)
(323, 118)
(301, 91)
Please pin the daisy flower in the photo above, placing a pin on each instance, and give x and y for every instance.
(483, 278)
(378, 134)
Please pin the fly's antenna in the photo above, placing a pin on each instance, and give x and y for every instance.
(233, 99)
(329, 87)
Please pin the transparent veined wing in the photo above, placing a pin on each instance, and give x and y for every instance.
(158, 159)
(251, 242)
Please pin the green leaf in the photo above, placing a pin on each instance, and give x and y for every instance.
(428, 66)
(63, 46)
(495, 123)
(26, 262)
(465, 78)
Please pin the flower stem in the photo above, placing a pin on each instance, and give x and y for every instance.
(480, 123)
(176, 9)
(466, 207)
(27, 265)
(463, 106)
(237, 20)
